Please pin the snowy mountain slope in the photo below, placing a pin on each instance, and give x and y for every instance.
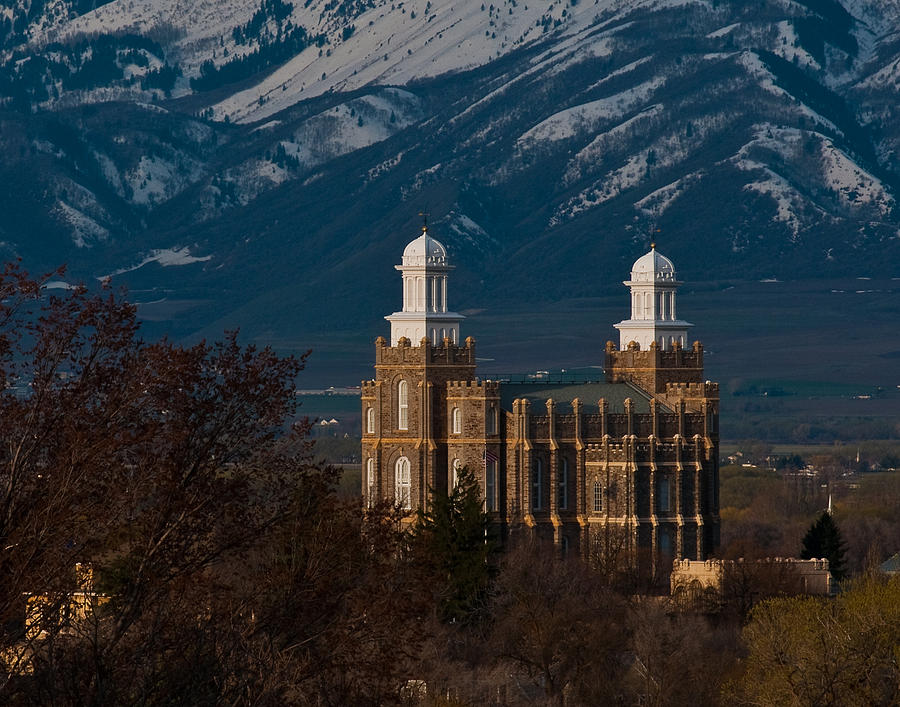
(546, 141)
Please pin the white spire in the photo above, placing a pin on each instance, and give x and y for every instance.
(653, 317)
(425, 314)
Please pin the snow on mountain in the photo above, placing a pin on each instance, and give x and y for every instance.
(85, 230)
(351, 126)
(536, 135)
(166, 257)
(585, 117)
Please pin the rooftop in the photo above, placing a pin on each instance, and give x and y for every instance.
(563, 394)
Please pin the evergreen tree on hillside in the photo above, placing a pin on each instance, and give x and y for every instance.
(823, 539)
(450, 541)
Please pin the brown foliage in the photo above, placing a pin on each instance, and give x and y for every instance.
(232, 573)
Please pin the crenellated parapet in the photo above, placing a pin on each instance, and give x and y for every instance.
(706, 390)
(654, 369)
(425, 353)
(473, 389)
(658, 424)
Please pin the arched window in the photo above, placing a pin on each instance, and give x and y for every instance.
(536, 484)
(659, 306)
(370, 421)
(563, 483)
(598, 497)
(457, 465)
(403, 405)
(457, 421)
(662, 495)
(665, 541)
(370, 481)
(490, 484)
(492, 420)
(401, 483)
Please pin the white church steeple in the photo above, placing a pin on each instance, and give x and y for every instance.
(653, 318)
(424, 314)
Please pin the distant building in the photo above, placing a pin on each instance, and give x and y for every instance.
(891, 566)
(633, 454)
(802, 576)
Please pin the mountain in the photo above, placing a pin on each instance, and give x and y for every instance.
(263, 164)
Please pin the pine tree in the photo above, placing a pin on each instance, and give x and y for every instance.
(823, 539)
(450, 541)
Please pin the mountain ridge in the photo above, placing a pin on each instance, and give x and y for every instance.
(752, 142)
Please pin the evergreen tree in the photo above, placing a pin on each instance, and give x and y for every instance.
(450, 541)
(823, 539)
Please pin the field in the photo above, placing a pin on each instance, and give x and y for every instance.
(811, 361)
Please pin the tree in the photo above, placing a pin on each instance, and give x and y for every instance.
(172, 472)
(823, 540)
(450, 541)
(557, 623)
(813, 651)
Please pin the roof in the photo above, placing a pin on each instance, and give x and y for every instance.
(588, 393)
(651, 267)
(891, 565)
(425, 250)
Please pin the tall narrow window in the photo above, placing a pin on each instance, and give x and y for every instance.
(490, 485)
(457, 421)
(492, 420)
(598, 497)
(370, 481)
(370, 421)
(665, 541)
(563, 483)
(662, 495)
(403, 405)
(536, 483)
(401, 483)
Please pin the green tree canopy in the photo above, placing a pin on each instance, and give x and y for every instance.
(823, 540)
(451, 544)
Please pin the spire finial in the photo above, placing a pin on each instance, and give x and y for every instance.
(424, 215)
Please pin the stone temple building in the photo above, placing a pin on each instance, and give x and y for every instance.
(631, 456)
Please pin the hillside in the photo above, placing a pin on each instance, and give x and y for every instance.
(264, 164)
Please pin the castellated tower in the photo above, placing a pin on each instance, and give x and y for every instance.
(425, 415)
(625, 464)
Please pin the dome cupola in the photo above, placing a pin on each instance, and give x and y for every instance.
(653, 267)
(424, 250)
(653, 317)
(425, 267)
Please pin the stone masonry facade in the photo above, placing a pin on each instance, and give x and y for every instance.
(570, 473)
(630, 458)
